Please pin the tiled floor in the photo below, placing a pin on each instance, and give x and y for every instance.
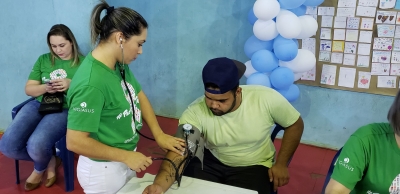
(307, 168)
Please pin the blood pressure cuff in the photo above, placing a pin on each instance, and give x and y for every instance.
(195, 141)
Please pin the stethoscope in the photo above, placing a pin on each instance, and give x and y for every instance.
(186, 160)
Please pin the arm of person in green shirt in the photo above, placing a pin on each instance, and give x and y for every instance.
(165, 141)
(34, 88)
(335, 187)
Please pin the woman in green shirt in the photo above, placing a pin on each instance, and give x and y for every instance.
(32, 135)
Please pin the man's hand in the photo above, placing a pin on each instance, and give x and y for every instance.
(279, 174)
(153, 189)
(137, 161)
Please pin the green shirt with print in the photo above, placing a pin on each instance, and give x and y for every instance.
(100, 104)
(369, 161)
(44, 71)
(243, 137)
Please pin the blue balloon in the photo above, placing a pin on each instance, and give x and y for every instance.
(291, 94)
(297, 42)
(313, 3)
(264, 61)
(285, 49)
(251, 17)
(258, 79)
(290, 4)
(253, 44)
(299, 11)
(282, 78)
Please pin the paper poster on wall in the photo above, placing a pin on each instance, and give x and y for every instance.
(350, 47)
(325, 45)
(353, 23)
(386, 82)
(349, 59)
(346, 11)
(364, 49)
(326, 11)
(326, 21)
(364, 78)
(384, 44)
(397, 32)
(309, 75)
(325, 33)
(386, 30)
(312, 10)
(368, 3)
(380, 68)
(339, 34)
(395, 69)
(341, 22)
(395, 57)
(347, 3)
(337, 58)
(363, 61)
(386, 17)
(328, 75)
(308, 44)
(365, 36)
(381, 56)
(347, 77)
(366, 11)
(387, 4)
(338, 46)
(367, 23)
(396, 45)
(351, 35)
(324, 56)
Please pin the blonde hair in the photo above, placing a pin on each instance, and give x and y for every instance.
(64, 31)
(121, 19)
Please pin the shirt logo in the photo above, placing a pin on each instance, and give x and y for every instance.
(345, 164)
(83, 104)
(346, 160)
(83, 108)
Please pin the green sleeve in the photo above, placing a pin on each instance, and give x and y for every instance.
(351, 163)
(36, 73)
(86, 104)
(133, 81)
(281, 111)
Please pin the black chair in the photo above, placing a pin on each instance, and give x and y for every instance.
(67, 157)
(330, 171)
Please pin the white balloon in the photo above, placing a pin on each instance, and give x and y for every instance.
(304, 61)
(266, 9)
(249, 69)
(309, 26)
(297, 76)
(265, 30)
(288, 24)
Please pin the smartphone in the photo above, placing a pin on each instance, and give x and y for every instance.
(47, 82)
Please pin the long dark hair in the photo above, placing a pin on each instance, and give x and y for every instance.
(64, 31)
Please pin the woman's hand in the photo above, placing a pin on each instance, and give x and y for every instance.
(50, 89)
(60, 85)
(167, 142)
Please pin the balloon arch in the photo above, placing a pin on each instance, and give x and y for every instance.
(275, 58)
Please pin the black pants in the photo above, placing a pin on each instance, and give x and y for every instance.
(250, 177)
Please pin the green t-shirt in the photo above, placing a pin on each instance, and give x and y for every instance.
(100, 104)
(43, 70)
(369, 161)
(243, 137)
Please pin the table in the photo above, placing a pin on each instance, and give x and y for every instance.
(188, 186)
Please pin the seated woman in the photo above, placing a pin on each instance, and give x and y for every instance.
(369, 161)
(32, 135)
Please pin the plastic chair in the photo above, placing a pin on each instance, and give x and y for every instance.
(330, 171)
(67, 157)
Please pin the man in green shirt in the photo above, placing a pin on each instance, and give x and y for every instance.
(236, 123)
(369, 161)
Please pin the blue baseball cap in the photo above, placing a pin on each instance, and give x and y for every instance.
(224, 73)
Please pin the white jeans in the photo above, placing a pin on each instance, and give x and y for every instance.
(102, 177)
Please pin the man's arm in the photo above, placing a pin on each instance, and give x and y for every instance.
(335, 187)
(290, 141)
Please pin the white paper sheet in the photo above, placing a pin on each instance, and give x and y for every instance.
(351, 35)
(324, 56)
(395, 57)
(366, 11)
(326, 33)
(353, 23)
(326, 11)
(346, 11)
(386, 17)
(364, 79)
(385, 30)
(381, 56)
(386, 82)
(367, 23)
(368, 3)
(328, 75)
(385, 44)
(380, 68)
(347, 3)
(337, 58)
(395, 69)
(326, 21)
(347, 77)
(340, 22)
(387, 4)
(364, 49)
(308, 44)
(309, 75)
(363, 61)
(350, 47)
(325, 45)
(312, 10)
(349, 59)
(339, 34)
(365, 36)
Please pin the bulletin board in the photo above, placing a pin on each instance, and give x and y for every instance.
(348, 57)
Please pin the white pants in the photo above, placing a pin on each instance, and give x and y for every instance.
(102, 177)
